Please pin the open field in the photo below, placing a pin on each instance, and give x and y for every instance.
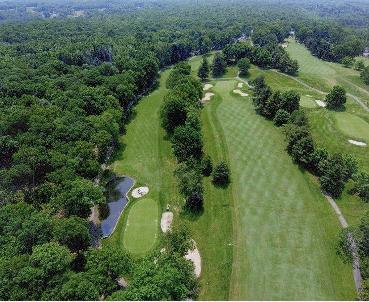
(146, 156)
(280, 251)
(141, 229)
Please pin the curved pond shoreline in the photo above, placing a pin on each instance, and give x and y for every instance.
(117, 200)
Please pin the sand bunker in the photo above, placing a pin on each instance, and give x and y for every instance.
(320, 103)
(139, 192)
(166, 221)
(207, 97)
(238, 91)
(194, 256)
(351, 141)
(240, 85)
(207, 87)
(284, 45)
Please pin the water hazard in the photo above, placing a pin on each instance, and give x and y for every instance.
(117, 201)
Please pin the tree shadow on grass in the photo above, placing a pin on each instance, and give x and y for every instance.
(223, 185)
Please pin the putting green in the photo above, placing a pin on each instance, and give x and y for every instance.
(352, 126)
(142, 226)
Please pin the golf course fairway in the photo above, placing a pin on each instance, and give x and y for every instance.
(142, 226)
(284, 230)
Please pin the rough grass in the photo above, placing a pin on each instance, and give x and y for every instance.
(284, 231)
(141, 229)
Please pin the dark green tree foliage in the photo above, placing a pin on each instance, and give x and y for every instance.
(79, 287)
(365, 75)
(236, 51)
(72, 232)
(244, 65)
(361, 186)
(187, 143)
(160, 276)
(173, 112)
(262, 92)
(219, 65)
(206, 166)
(336, 170)
(336, 98)
(299, 144)
(221, 174)
(204, 69)
(179, 71)
(347, 61)
(78, 197)
(281, 117)
(178, 240)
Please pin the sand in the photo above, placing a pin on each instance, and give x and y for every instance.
(139, 192)
(207, 97)
(240, 85)
(320, 103)
(207, 87)
(238, 91)
(166, 221)
(194, 256)
(357, 143)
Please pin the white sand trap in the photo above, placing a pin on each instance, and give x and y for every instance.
(139, 192)
(351, 141)
(238, 91)
(166, 221)
(207, 97)
(320, 103)
(308, 95)
(284, 45)
(194, 256)
(240, 85)
(207, 87)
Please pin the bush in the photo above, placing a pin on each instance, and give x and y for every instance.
(361, 186)
(206, 166)
(336, 98)
(244, 65)
(221, 174)
(281, 117)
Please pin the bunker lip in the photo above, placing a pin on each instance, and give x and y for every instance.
(238, 91)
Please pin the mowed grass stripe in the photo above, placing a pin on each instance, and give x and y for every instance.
(285, 232)
(141, 229)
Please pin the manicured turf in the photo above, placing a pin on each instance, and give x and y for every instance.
(308, 102)
(284, 230)
(141, 229)
(353, 126)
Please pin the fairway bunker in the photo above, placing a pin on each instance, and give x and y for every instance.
(207, 87)
(240, 85)
(166, 221)
(238, 91)
(194, 256)
(357, 143)
(139, 192)
(320, 103)
(207, 97)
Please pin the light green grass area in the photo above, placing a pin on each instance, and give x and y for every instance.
(324, 75)
(146, 155)
(141, 229)
(308, 102)
(284, 230)
(353, 126)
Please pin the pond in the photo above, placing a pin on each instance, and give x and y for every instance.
(117, 201)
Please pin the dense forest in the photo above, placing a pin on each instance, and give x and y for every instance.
(67, 89)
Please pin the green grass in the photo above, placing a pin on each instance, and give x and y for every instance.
(141, 229)
(284, 230)
(353, 126)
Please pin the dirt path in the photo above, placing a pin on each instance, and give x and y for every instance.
(355, 256)
(359, 101)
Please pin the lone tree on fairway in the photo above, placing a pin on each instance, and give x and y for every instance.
(336, 98)
(219, 65)
(204, 69)
(244, 65)
(221, 174)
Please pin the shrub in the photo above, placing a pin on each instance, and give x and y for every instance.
(206, 166)
(336, 98)
(281, 117)
(221, 174)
